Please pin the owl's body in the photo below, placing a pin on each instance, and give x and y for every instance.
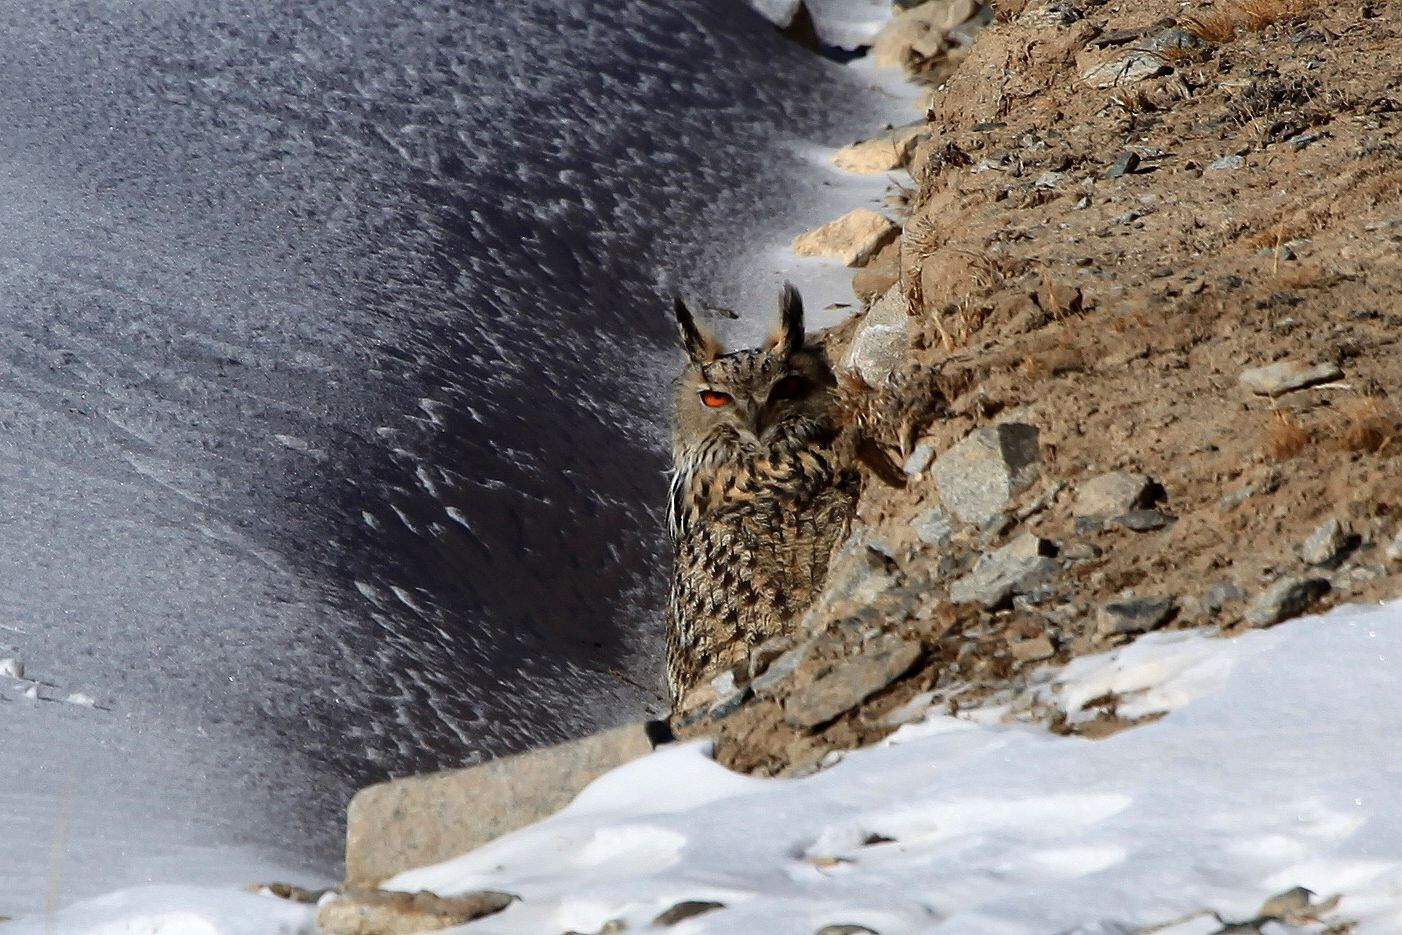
(759, 496)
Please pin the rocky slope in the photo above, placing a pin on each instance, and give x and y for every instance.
(1127, 365)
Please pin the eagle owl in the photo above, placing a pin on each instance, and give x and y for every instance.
(758, 496)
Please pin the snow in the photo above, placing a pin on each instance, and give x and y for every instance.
(1274, 767)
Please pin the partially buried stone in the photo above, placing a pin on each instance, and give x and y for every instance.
(1330, 541)
(851, 681)
(919, 459)
(933, 527)
(1287, 597)
(686, 910)
(1133, 67)
(1142, 520)
(1133, 615)
(853, 239)
(882, 339)
(1221, 594)
(1115, 494)
(1277, 379)
(1227, 163)
(362, 911)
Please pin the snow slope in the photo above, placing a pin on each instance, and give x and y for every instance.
(1276, 767)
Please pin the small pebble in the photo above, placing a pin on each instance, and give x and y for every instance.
(1143, 520)
(1227, 162)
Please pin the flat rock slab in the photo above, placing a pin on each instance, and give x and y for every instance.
(1133, 615)
(396, 826)
(384, 912)
(1281, 378)
(854, 238)
(978, 477)
(851, 682)
(1115, 494)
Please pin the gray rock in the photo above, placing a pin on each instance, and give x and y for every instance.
(728, 694)
(1393, 551)
(780, 670)
(1051, 179)
(1142, 520)
(1287, 597)
(1133, 615)
(405, 823)
(765, 653)
(851, 681)
(1136, 66)
(1328, 543)
(1124, 165)
(1227, 163)
(882, 340)
(1115, 494)
(933, 526)
(1173, 39)
(1017, 568)
(1221, 594)
(978, 477)
(686, 910)
(919, 459)
(1277, 379)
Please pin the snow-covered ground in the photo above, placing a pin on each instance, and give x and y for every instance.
(1275, 767)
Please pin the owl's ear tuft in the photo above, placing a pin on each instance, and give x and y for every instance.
(700, 345)
(787, 338)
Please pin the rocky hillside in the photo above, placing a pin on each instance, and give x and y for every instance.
(1128, 361)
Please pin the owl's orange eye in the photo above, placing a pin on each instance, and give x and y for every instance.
(715, 399)
(787, 388)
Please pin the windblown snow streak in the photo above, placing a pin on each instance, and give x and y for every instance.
(329, 387)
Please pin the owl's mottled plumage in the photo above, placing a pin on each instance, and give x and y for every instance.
(758, 498)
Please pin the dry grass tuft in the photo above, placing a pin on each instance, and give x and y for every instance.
(1285, 438)
(1217, 28)
(1242, 15)
(1368, 425)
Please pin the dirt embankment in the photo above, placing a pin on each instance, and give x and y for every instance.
(1159, 246)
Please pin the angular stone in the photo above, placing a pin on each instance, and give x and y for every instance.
(405, 823)
(919, 459)
(851, 681)
(1033, 650)
(1133, 67)
(1226, 163)
(1132, 615)
(1327, 544)
(978, 477)
(361, 911)
(933, 527)
(853, 238)
(1016, 568)
(779, 671)
(1286, 597)
(1281, 378)
(882, 340)
(883, 153)
(1115, 494)
(1172, 39)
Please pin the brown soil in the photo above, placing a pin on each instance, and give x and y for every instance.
(1116, 316)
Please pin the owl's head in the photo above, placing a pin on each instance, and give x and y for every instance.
(753, 401)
